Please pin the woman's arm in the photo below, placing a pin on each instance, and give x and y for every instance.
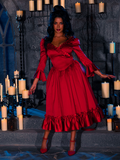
(103, 75)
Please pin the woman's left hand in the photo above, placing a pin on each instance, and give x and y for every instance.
(107, 76)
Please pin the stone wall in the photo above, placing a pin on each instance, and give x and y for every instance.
(106, 29)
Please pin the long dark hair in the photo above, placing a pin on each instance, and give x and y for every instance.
(58, 11)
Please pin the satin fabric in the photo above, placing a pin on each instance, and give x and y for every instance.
(70, 102)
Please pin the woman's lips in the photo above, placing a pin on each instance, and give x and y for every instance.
(58, 29)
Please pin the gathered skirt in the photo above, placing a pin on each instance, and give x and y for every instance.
(70, 101)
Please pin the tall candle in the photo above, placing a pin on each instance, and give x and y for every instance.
(11, 90)
(105, 89)
(47, 1)
(39, 5)
(91, 1)
(62, 3)
(55, 2)
(117, 85)
(19, 111)
(109, 124)
(25, 94)
(4, 111)
(16, 74)
(31, 5)
(112, 47)
(19, 13)
(110, 109)
(118, 111)
(101, 7)
(22, 85)
(78, 7)
(1, 90)
(20, 122)
(4, 124)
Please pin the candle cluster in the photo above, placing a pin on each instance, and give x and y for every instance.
(4, 117)
(78, 6)
(19, 88)
(39, 4)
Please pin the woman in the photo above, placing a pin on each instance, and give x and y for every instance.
(70, 102)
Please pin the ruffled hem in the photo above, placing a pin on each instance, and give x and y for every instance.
(72, 122)
(90, 70)
(40, 75)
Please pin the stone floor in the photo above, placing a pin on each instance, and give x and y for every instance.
(57, 153)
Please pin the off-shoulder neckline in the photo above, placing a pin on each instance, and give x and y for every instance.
(62, 43)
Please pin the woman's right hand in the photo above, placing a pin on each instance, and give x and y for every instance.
(33, 87)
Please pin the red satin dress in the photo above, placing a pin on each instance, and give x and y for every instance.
(70, 101)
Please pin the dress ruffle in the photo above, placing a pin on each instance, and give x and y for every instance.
(90, 70)
(40, 75)
(72, 122)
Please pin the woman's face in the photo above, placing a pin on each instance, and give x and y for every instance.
(58, 25)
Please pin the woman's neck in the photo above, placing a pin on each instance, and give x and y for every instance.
(59, 35)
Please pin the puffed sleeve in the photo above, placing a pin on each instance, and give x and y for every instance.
(42, 63)
(90, 66)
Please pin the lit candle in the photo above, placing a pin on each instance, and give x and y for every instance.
(112, 47)
(62, 3)
(4, 111)
(105, 89)
(20, 122)
(110, 109)
(4, 124)
(117, 85)
(11, 90)
(16, 74)
(19, 111)
(1, 90)
(101, 7)
(118, 111)
(31, 5)
(22, 85)
(78, 7)
(25, 94)
(39, 5)
(55, 2)
(47, 1)
(19, 13)
(91, 1)
(109, 124)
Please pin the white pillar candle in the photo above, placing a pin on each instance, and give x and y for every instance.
(11, 90)
(101, 7)
(20, 122)
(118, 111)
(31, 5)
(91, 1)
(39, 5)
(105, 89)
(19, 111)
(19, 13)
(62, 3)
(117, 85)
(22, 85)
(47, 1)
(55, 2)
(78, 7)
(25, 94)
(16, 74)
(110, 109)
(112, 47)
(4, 124)
(109, 124)
(4, 111)
(1, 90)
